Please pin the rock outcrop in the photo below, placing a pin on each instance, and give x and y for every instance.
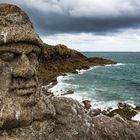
(124, 110)
(58, 60)
(115, 128)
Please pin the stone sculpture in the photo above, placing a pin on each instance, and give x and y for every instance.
(21, 102)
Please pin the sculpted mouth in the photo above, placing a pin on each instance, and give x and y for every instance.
(24, 90)
(24, 87)
(26, 95)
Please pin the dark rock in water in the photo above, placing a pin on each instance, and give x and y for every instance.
(64, 74)
(100, 61)
(68, 92)
(124, 105)
(94, 112)
(124, 110)
(137, 108)
(87, 104)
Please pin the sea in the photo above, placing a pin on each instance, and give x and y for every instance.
(104, 86)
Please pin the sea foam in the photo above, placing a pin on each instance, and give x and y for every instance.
(82, 71)
(136, 117)
(63, 86)
(118, 64)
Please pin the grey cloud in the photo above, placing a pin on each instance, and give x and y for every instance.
(54, 23)
(61, 16)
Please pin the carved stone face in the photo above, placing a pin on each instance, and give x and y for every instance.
(21, 101)
(18, 76)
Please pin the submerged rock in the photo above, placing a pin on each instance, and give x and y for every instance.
(137, 108)
(68, 92)
(124, 110)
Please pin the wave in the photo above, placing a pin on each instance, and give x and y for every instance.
(82, 71)
(118, 64)
(62, 87)
(65, 83)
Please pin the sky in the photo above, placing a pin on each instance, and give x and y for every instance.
(86, 25)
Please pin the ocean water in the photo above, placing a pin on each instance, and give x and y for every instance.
(105, 86)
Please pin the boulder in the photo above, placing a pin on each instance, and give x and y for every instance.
(124, 110)
(94, 112)
(72, 123)
(87, 104)
(115, 128)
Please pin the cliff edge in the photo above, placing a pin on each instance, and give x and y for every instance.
(58, 60)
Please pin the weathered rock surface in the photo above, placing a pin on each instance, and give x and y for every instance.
(72, 123)
(87, 104)
(94, 112)
(115, 128)
(126, 111)
(15, 26)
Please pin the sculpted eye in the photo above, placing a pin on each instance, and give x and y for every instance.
(7, 56)
(32, 55)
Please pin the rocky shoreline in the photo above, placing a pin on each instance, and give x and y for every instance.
(61, 60)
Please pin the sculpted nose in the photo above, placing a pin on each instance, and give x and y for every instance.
(23, 68)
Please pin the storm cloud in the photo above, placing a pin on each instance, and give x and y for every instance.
(86, 25)
(98, 16)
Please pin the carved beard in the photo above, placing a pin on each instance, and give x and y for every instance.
(19, 110)
(14, 115)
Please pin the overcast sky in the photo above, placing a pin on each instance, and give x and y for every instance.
(86, 25)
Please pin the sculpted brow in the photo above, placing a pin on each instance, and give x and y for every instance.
(10, 51)
(19, 51)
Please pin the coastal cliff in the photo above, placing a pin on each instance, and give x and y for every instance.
(59, 60)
